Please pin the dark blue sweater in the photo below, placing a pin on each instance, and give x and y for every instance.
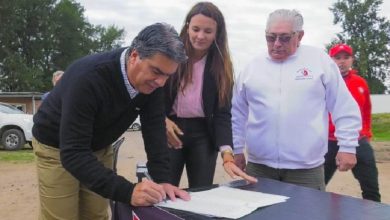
(88, 110)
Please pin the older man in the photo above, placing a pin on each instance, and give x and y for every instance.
(55, 78)
(95, 102)
(280, 108)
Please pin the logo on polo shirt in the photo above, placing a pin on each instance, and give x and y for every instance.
(303, 74)
(361, 90)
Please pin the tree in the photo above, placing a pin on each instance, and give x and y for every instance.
(369, 36)
(38, 37)
(22, 37)
(109, 38)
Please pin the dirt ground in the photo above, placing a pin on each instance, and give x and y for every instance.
(19, 193)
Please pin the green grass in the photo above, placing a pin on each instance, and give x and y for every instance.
(381, 127)
(21, 156)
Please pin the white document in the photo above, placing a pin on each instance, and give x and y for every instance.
(224, 202)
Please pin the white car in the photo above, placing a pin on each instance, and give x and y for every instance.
(15, 127)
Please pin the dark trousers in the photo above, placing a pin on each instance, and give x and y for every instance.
(365, 170)
(312, 177)
(198, 154)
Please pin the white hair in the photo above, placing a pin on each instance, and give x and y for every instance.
(56, 74)
(292, 16)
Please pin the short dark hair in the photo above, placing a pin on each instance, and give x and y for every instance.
(159, 38)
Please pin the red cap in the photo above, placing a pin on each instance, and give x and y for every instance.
(339, 48)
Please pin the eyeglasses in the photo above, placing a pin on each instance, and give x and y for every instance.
(283, 38)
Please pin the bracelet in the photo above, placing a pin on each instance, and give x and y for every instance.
(227, 161)
(230, 152)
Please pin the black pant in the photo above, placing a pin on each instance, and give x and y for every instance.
(198, 153)
(365, 170)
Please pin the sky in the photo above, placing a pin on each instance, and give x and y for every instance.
(245, 20)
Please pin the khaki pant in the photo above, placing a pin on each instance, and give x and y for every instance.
(61, 195)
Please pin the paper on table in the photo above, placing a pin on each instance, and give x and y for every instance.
(224, 202)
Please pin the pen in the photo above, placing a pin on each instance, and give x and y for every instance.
(150, 178)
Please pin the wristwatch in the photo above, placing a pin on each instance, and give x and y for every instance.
(227, 156)
(227, 151)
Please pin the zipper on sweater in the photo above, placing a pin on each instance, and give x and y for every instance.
(279, 113)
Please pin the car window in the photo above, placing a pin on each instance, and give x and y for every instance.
(9, 109)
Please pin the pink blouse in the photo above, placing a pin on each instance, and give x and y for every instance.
(189, 104)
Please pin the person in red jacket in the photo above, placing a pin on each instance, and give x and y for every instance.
(365, 170)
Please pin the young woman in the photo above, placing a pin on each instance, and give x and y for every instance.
(198, 100)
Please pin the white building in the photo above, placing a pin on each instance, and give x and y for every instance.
(380, 103)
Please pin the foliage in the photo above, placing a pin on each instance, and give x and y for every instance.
(109, 38)
(381, 127)
(39, 37)
(369, 36)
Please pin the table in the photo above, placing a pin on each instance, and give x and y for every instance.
(303, 204)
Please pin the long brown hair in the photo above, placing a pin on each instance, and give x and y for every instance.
(218, 54)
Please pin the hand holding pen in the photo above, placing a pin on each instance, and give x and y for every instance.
(147, 175)
(147, 193)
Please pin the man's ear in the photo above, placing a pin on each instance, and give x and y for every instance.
(300, 35)
(133, 56)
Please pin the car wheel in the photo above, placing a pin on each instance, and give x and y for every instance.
(136, 127)
(13, 139)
